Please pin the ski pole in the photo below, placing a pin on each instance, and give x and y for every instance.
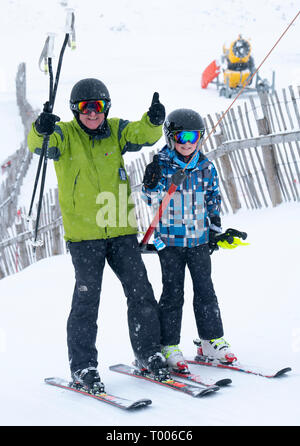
(47, 54)
(181, 173)
(48, 107)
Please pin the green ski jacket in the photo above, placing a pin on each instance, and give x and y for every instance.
(94, 190)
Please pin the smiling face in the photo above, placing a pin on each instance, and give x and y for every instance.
(185, 149)
(92, 120)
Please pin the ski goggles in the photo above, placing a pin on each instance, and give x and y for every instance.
(85, 107)
(184, 136)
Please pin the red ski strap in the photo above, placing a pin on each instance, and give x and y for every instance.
(158, 215)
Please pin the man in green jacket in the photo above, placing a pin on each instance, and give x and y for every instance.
(99, 221)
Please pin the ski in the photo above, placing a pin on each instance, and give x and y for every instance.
(170, 383)
(238, 366)
(122, 403)
(208, 382)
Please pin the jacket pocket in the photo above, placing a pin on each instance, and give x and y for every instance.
(75, 182)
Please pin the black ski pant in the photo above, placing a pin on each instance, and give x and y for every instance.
(173, 261)
(124, 258)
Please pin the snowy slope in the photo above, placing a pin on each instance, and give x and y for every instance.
(258, 290)
(138, 47)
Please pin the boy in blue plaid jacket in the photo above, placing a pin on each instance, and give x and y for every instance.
(185, 230)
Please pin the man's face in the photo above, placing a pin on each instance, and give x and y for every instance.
(92, 120)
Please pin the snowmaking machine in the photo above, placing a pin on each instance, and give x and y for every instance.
(237, 67)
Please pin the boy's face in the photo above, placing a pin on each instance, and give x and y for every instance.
(186, 149)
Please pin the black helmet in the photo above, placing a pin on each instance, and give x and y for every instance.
(182, 119)
(88, 90)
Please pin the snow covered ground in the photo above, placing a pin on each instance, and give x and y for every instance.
(258, 289)
(138, 47)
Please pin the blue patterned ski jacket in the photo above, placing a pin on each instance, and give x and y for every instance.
(193, 207)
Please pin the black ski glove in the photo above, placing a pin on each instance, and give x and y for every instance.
(214, 231)
(45, 123)
(156, 111)
(53, 153)
(153, 173)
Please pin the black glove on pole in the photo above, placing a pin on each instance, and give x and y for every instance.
(156, 112)
(53, 153)
(45, 123)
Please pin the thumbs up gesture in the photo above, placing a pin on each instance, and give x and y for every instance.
(156, 111)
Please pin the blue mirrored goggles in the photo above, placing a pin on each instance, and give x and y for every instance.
(184, 136)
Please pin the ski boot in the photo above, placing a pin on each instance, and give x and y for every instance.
(156, 365)
(175, 359)
(217, 350)
(88, 379)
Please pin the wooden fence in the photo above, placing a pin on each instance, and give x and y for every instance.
(255, 149)
(16, 250)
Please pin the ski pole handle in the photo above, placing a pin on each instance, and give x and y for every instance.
(47, 52)
(69, 26)
(50, 46)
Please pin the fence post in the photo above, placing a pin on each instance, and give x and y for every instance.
(228, 175)
(27, 113)
(270, 164)
(268, 153)
(2, 273)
